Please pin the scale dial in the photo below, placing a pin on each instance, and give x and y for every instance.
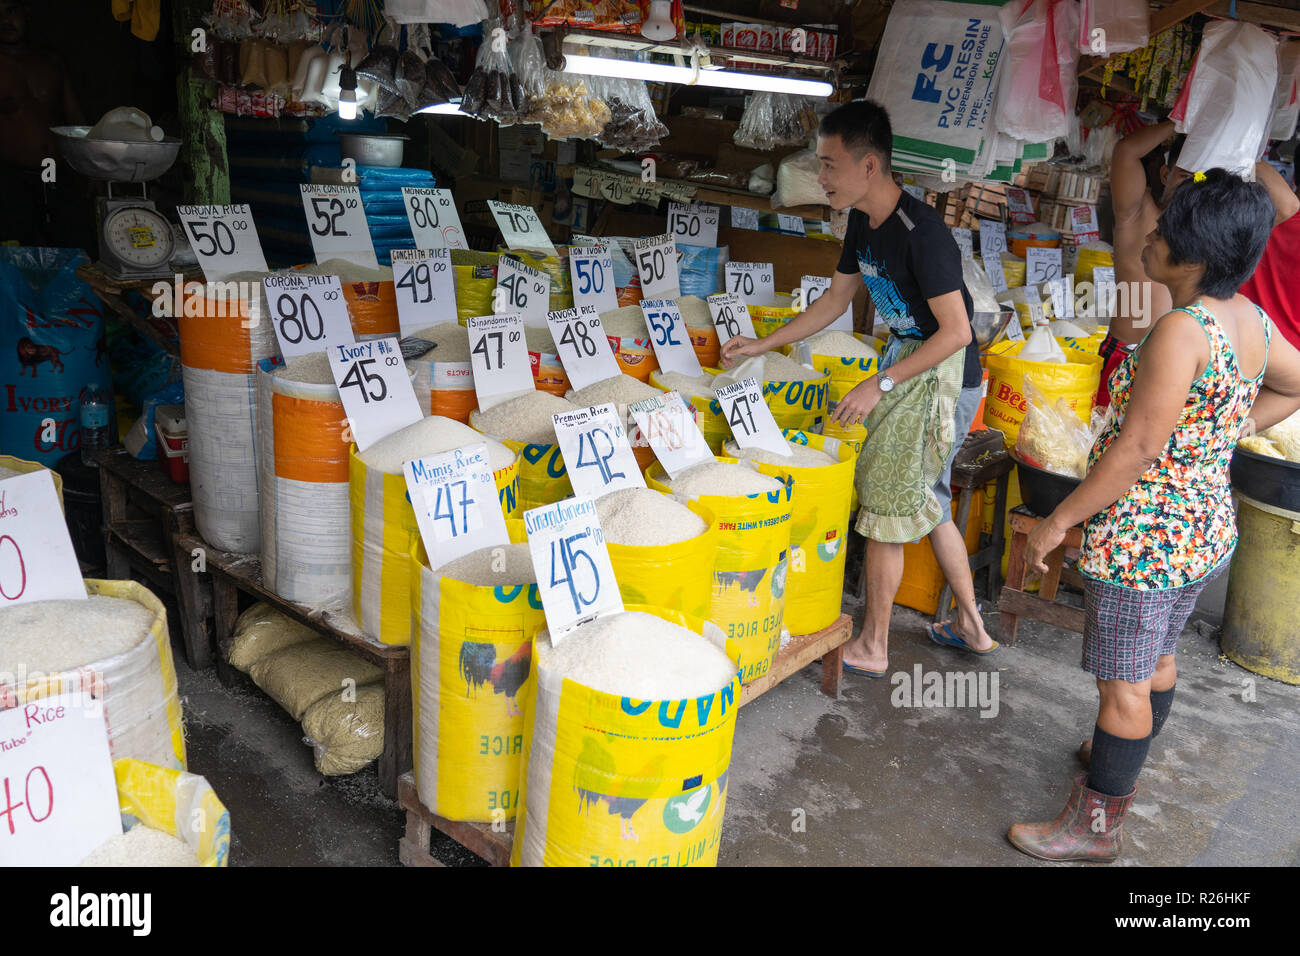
(139, 237)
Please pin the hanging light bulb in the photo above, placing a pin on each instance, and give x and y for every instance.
(660, 24)
(348, 91)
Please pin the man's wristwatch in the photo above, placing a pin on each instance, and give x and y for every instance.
(886, 383)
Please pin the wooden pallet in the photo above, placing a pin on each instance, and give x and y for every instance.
(494, 845)
(233, 574)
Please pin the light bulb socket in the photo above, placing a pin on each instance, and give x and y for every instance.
(348, 81)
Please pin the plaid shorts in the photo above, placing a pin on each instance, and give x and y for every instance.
(1126, 630)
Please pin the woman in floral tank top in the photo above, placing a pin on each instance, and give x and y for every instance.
(1157, 509)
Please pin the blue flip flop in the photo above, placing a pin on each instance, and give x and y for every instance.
(949, 639)
(862, 671)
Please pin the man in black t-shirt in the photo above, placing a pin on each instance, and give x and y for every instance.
(920, 406)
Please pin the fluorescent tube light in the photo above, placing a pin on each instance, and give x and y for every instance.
(663, 73)
(443, 108)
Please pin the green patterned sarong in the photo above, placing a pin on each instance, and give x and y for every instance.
(910, 435)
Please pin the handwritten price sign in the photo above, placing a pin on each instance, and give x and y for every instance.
(37, 562)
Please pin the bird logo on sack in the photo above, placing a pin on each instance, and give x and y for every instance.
(683, 812)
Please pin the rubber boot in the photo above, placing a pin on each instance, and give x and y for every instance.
(1090, 828)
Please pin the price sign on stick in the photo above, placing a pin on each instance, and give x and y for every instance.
(993, 240)
(223, 238)
(58, 795)
(668, 336)
(582, 346)
(667, 424)
(499, 358)
(965, 242)
(1103, 291)
(337, 224)
(813, 288)
(993, 269)
(755, 282)
(435, 223)
(1042, 265)
(743, 217)
(307, 312)
(426, 290)
(1036, 315)
(37, 562)
(730, 316)
(1083, 224)
(1014, 332)
(523, 289)
(656, 263)
(574, 575)
(597, 455)
(695, 224)
(592, 270)
(749, 417)
(455, 501)
(375, 388)
(521, 228)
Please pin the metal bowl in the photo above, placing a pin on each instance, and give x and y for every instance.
(370, 150)
(988, 324)
(115, 160)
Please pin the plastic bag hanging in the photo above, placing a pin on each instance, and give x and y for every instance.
(1125, 26)
(380, 64)
(493, 91)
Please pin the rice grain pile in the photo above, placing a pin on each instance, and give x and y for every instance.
(627, 322)
(346, 271)
(778, 368)
(485, 568)
(141, 846)
(620, 389)
(686, 385)
(298, 676)
(451, 340)
(801, 456)
(639, 656)
(644, 518)
(836, 342)
(526, 418)
(720, 478)
(429, 436)
(539, 340)
(695, 311)
(55, 636)
(313, 369)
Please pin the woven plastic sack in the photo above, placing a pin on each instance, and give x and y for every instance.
(543, 479)
(676, 577)
(262, 630)
(708, 414)
(1038, 69)
(475, 276)
(471, 656)
(1286, 100)
(443, 388)
(701, 269)
(298, 676)
(181, 804)
(346, 735)
(1126, 25)
(769, 318)
(610, 781)
(1051, 436)
(557, 267)
(1074, 380)
(21, 467)
(750, 573)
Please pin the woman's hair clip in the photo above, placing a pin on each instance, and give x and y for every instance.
(1198, 176)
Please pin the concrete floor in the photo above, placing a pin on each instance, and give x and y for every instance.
(870, 783)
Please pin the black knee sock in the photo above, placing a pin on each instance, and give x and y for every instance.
(1116, 763)
(1161, 701)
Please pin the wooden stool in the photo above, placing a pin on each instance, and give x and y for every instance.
(971, 476)
(1016, 603)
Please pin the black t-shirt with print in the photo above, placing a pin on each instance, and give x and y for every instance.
(910, 258)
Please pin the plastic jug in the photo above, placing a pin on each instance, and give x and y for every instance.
(126, 124)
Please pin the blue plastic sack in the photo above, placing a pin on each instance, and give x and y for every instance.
(52, 351)
(701, 269)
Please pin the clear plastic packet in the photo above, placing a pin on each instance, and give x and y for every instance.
(493, 91)
(1052, 437)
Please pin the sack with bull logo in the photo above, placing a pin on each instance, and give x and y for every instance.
(53, 348)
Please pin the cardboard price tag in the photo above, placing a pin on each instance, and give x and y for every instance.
(499, 358)
(695, 224)
(597, 455)
(1013, 330)
(656, 263)
(37, 561)
(742, 217)
(754, 281)
(1019, 206)
(669, 427)
(1103, 291)
(993, 240)
(435, 223)
(307, 312)
(750, 419)
(455, 502)
(425, 287)
(375, 388)
(668, 337)
(575, 577)
(522, 289)
(993, 269)
(792, 224)
(730, 316)
(1042, 265)
(592, 270)
(965, 242)
(58, 794)
(1036, 315)
(337, 224)
(521, 228)
(1062, 292)
(813, 288)
(224, 239)
(582, 346)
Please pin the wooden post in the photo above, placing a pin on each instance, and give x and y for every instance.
(203, 129)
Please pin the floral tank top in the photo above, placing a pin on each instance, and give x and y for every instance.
(1177, 524)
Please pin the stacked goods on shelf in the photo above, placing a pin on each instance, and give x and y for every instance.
(524, 426)
(262, 630)
(636, 712)
(298, 676)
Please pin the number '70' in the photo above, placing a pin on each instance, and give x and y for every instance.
(925, 89)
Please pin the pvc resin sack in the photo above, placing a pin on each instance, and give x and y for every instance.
(801, 456)
(525, 419)
(619, 389)
(141, 846)
(263, 630)
(840, 343)
(298, 676)
(506, 565)
(430, 436)
(720, 478)
(645, 518)
(346, 735)
(638, 656)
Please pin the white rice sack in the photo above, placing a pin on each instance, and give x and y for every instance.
(687, 385)
(503, 565)
(55, 636)
(695, 311)
(720, 478)
(345, 736)
(313, 369)
(525, 419)
(640, 656)
(262, 630)
(644, 518)
(141, 846)
(430, 436)
(298, 676)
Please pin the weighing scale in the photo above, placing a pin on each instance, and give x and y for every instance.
(135, 240)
